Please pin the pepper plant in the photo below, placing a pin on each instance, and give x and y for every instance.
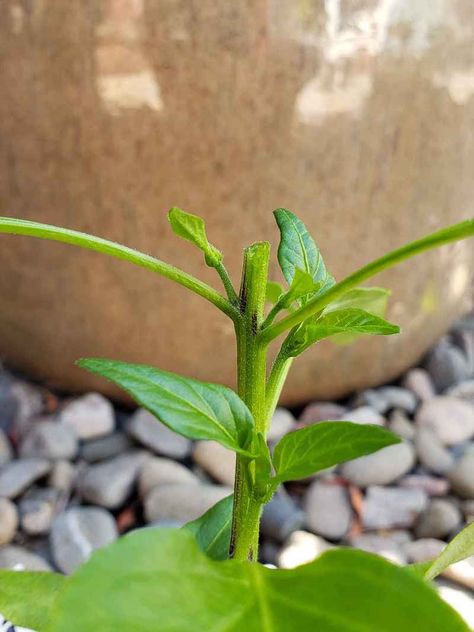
(173, 580)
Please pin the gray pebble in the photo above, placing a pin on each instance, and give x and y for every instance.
(302, 547)
(90, 416)
(17, 558)
(37, 510)
(365, 415)
(463, 390)
(384, 545)
(440, 519)
(216, 460)
(6, 452)
(62, 476)
(17, 476)
(161, 471)
(30, 404)
(382, 467)
(281, 424)
(322, 411)
(105, 447)
(391, 507)
(8, 521)
(431, 485)
(451, 419)
(447, 365)
(281, 517)
(423, 550)
(461, 476)
(419, 382)
(147, 430)
(49, 440)
(182, 501)
(371, 398)
(77, 533)
(397, 397)
(401, 425)
(431, 452)
(328, 510)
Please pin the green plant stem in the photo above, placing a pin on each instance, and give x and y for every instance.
(90, 242)
(251, 370)
(453, 233)
(229, 288)
(275, 383)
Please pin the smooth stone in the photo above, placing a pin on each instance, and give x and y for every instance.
(8, 403)
(18, 558)
(17, 476)
(459, 598)
(30, 404)
(451, 419)
(147, 430)
(365, 415)
(216, 460)
(8, 521)
(105, 447)
(62, 476)
(463, 390)
(280, 517)
(447, 365)
(37, 510)
(383, 545)
(6, 452)
(440, 519)
(397, 397)
(468, 510)
(461, 476)
(372, 399)
(77, 533)
(182, 501)
(328, 510)
(49, 440)
(462, 572)
(431, 452)
(423, 550)
(90, 416)
(382, 467)
(401, 425)
(432, 485)
(420, 383)
(302, 547)
(391, 507)
(110, 483)
(282, 423)
(321, 411)
(161, 471)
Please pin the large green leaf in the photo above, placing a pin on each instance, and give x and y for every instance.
(370, 299)
(195, 409)
(26, 598)
(303, 452)
(297, 250)
(193, 228)
(460, 548)
(212, 530)
(342, 321)
(160, 580)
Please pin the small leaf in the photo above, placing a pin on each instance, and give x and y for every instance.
(303, 452)
(158, 579)
(273, 292)
(460, 548)
(302, 285)
(262, 468)
(297, 250)
(193, 228)
(26, 598)
(194, 409)
(370, 299)
(343, 321)
(212, 530)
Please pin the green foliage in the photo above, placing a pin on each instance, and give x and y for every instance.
(460, 548)
(212, 530)
(370, 299)
(193, 228)
(273, 292)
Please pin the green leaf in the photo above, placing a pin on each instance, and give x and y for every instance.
(194, 409)
(460, 548)
(273, 292)
(160, 580)
(262, 469)
(302, 285)
(297, 250)
(303, 452)
(343, 321)
(26, 598)
(419, 568)
(193, 228)
(212, 530)
(370, 299)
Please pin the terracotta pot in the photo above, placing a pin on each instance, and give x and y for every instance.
(356, 115)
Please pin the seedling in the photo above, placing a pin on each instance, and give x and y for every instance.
(173, 580)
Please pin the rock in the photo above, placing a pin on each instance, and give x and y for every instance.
(49, 440)
(17, 476)
(463, 390)
(431, 452)
(322, 411)
(365, 415)
(77, 533)
(382, 467)
(29, 400)
(461, 476)
(468, 510)
(419, 382)
(440, 519)
(431, 485)
(451, 419)
(182, 501)
(8, 403)
(110, 483)
(281, 424)
(461, 599)
(105, 447)
(462, 572)
(388, 508)
(17, 558)
(8, 521)
(281, 517)
(5, 449)
(328, 510)
(160, 471)
(147, 430)
(90, 416)
(401, 425)
(372, 399)
(447, 365)
(62, 476)
(216, 460)
(423, 550)
(37, 510)
(386, 546)
(302, 547)
(397, 397)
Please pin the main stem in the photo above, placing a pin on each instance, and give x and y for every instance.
(251, 373)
